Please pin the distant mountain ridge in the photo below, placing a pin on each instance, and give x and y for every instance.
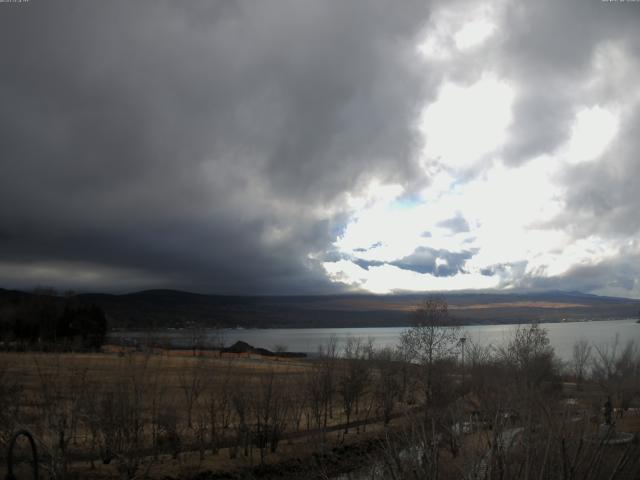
(174, 308)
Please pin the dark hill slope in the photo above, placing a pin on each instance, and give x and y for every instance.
(156, 308)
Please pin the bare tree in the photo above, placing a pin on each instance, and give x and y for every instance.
(156, 392)
(476, 354)
(59, 398)
(530, 355)
(580, 360)
(269, 411)
(386, 384)
(298, 402)
(328, 354)
(192, 385)
(240, 400)
(279, 349)
(122, 416)
(353, 377)
(217, 338)
(11, 394)
(219, 408)
(196, 339)
(314, 388)
(431, 339)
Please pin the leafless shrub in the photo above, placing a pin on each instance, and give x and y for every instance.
(58, 399)
(167, 435)
(122, 416)
(11, 397)
(412, 452)
(617, 370)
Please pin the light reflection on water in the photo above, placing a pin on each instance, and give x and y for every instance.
(307, 340)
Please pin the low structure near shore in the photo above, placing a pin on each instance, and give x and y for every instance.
(238, 349)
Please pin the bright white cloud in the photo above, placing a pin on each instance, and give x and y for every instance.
(375, 194)
(452, 31)
(508, 210)
(389, 278)
(592, 132)
(473, 33)
(382, 233)
(511, 212)
(466, 123)
(583, 252)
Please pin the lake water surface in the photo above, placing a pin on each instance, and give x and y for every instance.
(307, 340)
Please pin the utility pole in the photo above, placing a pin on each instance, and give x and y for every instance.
(463, 340)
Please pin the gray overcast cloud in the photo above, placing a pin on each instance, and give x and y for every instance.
(312, 147)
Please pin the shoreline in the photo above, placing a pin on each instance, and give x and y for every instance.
(350, 327)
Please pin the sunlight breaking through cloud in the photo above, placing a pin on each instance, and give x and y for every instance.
(514, 149)
(465, 123)
(592, 132)
(507, 236)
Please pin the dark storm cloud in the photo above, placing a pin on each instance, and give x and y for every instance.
(614, 276)
(212, 145)
(548, 49)
(205, 145)
(424, 260)
(604, 196)
(362, 263)
(456, 224)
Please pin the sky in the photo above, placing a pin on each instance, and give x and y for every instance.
(307, 147)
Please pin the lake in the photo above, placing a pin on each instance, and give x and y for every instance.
(307, 340)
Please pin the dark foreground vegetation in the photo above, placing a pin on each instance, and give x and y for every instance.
(437, 407)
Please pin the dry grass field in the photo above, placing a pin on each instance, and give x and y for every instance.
(172, 414)
(179, 415)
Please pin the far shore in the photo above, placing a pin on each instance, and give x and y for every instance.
(345, 327)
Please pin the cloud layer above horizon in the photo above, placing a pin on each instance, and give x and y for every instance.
(294, 147)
